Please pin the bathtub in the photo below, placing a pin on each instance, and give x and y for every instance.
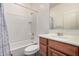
(17, 48)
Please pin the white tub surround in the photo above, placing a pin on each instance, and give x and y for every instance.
(70, 39)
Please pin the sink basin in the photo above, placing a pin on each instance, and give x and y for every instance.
(55, 35)
(64, 36)
(71, 37)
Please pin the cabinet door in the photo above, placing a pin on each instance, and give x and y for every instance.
(43, 41)
(52, 52)
(65, 48)
(43, 50)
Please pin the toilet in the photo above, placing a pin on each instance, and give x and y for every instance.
(31, 50)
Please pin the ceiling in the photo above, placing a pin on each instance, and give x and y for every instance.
(53, 4)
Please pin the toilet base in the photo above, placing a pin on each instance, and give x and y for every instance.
(35, 54)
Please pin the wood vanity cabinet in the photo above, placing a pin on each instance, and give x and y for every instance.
(43, 46)
(50, 47)
(52, 52)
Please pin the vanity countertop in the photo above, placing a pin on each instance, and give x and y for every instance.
(70, 39)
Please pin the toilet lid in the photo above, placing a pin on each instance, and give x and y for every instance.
(31, 48)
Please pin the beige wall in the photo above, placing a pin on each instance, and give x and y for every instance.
(59, 12)
(17, 19)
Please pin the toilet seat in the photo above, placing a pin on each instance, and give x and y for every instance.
(31, 49)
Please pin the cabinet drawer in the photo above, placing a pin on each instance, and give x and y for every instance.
(43, 41)
(65, 48)
(43, 50)
(52, 52)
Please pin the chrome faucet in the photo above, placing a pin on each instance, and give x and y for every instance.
(60, 34)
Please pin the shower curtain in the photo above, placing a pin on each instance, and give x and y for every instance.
(4, 40)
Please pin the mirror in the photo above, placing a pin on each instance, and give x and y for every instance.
(64, 16)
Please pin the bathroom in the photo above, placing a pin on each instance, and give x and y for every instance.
(28, 23)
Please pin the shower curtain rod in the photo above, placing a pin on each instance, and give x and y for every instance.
(26, 7)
